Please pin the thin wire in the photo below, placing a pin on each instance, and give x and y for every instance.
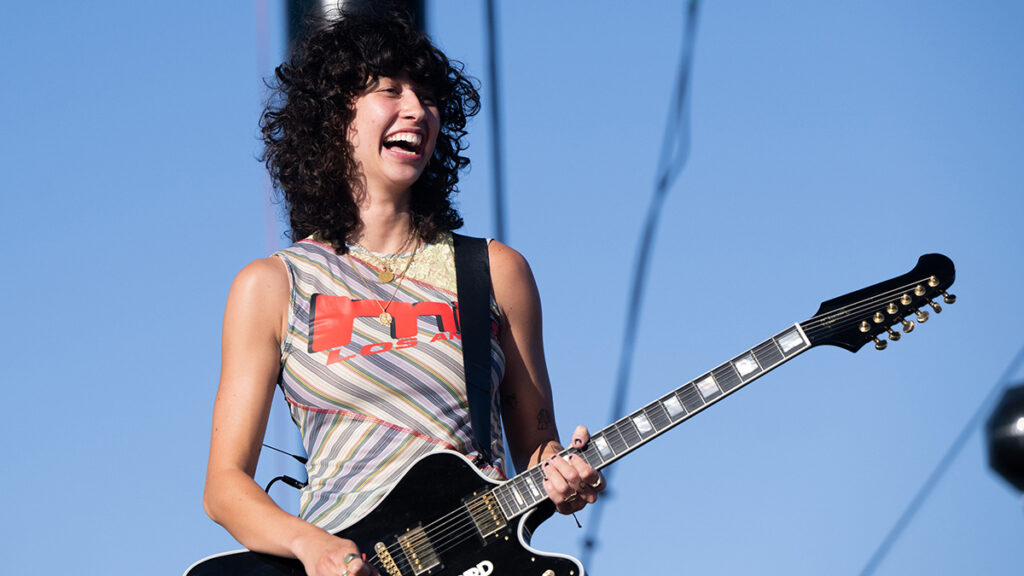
(940, 469)
(675, 151)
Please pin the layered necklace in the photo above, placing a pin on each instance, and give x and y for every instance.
(385, 318)
(387, 264)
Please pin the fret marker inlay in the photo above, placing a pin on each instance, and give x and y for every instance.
(790, 340)
(746, 365)
(643, 424)
(673, 407)
(707, 387)
(603, 447)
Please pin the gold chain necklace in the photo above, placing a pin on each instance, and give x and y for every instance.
(384, 318)
(387, 266)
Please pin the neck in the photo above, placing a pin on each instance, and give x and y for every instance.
(387, 223)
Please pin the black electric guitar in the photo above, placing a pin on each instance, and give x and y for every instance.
(443, 518)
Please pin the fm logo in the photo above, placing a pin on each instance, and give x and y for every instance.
(333, 317)
(482, 569)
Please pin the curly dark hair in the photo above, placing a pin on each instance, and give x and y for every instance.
(306, 121)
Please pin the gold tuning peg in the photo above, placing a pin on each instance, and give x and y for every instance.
(865, 327)
(935, 306)
(908, 326)
(948, 298)
(893, 335)
(879, 344)
(922, 316)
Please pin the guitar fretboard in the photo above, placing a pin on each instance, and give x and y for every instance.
(634, 430)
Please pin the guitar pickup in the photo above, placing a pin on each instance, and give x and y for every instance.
(419, 551)
(487, 516)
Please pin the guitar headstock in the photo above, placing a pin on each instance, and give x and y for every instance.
(853, 320)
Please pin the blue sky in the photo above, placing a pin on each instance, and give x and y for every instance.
(832, 144)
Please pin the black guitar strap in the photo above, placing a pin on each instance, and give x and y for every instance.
(473, 281)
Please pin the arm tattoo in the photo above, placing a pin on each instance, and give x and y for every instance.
(543, 420)
(509, 402)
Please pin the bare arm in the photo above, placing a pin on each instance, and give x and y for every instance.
(527, 404)
(254, 323)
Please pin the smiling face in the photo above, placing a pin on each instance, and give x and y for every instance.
(393, 133)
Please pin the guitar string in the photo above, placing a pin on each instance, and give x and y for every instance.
(445, 539)
(442, 538)
(821, 325)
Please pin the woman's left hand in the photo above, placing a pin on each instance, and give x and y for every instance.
(570, 482)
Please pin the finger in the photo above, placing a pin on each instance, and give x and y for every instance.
(580, 437)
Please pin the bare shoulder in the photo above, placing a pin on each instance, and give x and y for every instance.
(259, 297)
(507, 265)
(515, 289)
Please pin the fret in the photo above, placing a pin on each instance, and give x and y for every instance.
(691, 398)
(615, 439)
(508, 504)
(727, 377)
(629, 432)
(768, 354)
(659, 417)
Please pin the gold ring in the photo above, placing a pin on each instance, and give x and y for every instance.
(571, 498)
(350, 557)
(598, 483)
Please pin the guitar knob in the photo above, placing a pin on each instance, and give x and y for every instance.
(919, 290)
(908, 326)
(892, 308)
(906, 299)
(922, 316)
(935, 306)
(878, 317)
(880, 344)
(893, 335)
(865, 327)
(933, 281)
(948, 298)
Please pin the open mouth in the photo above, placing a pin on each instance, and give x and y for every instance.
(405, 143)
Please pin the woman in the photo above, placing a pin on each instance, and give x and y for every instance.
(364, 143)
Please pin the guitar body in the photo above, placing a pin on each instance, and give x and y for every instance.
(431, 489)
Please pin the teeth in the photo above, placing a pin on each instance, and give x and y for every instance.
(409, 137)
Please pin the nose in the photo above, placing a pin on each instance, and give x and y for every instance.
(412, 106)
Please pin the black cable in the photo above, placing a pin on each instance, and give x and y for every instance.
(299, 458)
(940, 469)
(675, 151)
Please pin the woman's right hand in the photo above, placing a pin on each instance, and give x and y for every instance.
(325, 554)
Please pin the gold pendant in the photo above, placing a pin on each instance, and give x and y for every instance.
(385, 276)
(384, 318)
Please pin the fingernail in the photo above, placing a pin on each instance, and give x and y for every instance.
(570, 456)
(577, 442)
(547, 463)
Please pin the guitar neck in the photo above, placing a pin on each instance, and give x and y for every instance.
(526, 490)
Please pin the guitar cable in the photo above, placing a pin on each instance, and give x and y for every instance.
(297, 484)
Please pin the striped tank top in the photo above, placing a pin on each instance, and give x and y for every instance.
(371, 398)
